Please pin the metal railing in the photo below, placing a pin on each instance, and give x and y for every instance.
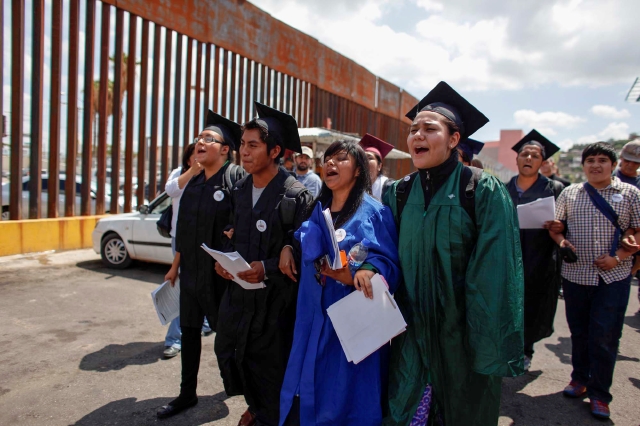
(138, 79)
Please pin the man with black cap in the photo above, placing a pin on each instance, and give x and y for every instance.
(255, 327)
(467, 148)
(459, 251)
(539, 252)
(205, 211)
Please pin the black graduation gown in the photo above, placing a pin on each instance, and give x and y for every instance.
(201, 220)
(557, 178)
(541, 265)
(255, 327)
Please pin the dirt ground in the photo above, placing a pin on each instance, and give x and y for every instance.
(81, 345)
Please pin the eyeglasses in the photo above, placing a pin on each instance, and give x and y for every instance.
(207, 139)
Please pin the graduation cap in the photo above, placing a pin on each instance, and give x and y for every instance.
(447, 102)
(471, 147)
(229, 130)
(547, 147)
(280, 124)
(377, 146)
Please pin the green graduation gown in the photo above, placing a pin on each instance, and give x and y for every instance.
(462, 299)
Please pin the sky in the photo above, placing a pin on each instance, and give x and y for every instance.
(563, 67)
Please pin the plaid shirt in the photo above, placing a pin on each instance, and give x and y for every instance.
(591, 233)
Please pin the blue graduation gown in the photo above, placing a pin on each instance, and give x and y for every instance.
(333, 391)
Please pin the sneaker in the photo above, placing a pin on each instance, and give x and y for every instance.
(170, 351)
(206, 333)
(527, 363)
(600, 409)
(574, 390)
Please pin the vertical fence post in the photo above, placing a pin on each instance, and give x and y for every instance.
(72, 110)
(17, 108)
(103, 115)
(116, 115)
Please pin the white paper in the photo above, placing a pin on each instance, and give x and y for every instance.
(365, 325)
(337, 262)
(534, 214)
(233, 263)
(166, 300)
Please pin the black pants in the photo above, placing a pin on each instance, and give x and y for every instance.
(596, 316)
(191, 349)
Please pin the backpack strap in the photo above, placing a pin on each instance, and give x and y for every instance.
(287, 205)
(231, 176)
(468, 184)
(402, 193)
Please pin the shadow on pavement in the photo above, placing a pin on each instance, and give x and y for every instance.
(117, 357)
(144, 271)
(635, 382)
(562, 349)
(633, 321)
(553, 409)
(130, 411)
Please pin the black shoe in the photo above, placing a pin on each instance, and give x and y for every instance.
(175, 407)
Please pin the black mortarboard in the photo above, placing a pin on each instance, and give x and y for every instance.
(375, 145)
(281, 124)
(447, 102)
(229, 130)
(470, 147)
(548, 148)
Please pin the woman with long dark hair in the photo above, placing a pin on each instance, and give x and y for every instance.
(320, 385)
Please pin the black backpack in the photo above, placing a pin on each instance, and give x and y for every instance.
(468, 184)
(232, 174)
(287, 205)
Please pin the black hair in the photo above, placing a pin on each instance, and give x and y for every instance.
(270, 139)
(379, 160)
(186, 155)
(362, 185)
(463, 155)
(597, 148)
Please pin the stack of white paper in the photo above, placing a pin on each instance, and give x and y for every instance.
(337, 262)
(534, 214)
(233, 263)
(166, 300)
(365, 325)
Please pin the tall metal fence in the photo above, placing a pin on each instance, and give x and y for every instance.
(104, 95)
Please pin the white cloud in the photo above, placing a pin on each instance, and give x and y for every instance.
(430, 5)
(615, 131)
(477, 45)
(610, 112)
(546, 122)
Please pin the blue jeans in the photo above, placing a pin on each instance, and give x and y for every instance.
(595, 315)
(174, 336)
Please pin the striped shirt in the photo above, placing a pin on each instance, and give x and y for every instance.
(591, 233)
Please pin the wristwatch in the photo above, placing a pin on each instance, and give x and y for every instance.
(617, 259)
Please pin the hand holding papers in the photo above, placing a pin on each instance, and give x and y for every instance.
(334, 255)
(166, 300)
(233, 263)
(533, 215)
(365, 325)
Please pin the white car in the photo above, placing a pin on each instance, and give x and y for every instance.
(120, 238)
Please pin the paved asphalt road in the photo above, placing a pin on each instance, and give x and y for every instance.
(81, 344)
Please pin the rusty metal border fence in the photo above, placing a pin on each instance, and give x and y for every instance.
(165, 78)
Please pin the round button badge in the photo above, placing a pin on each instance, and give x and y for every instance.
(261, 225)
(218, 195)
(616, 198)
(340, 234)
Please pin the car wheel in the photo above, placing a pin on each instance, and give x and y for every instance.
(114, 253)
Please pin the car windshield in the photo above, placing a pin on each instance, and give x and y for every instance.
(160, 204)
